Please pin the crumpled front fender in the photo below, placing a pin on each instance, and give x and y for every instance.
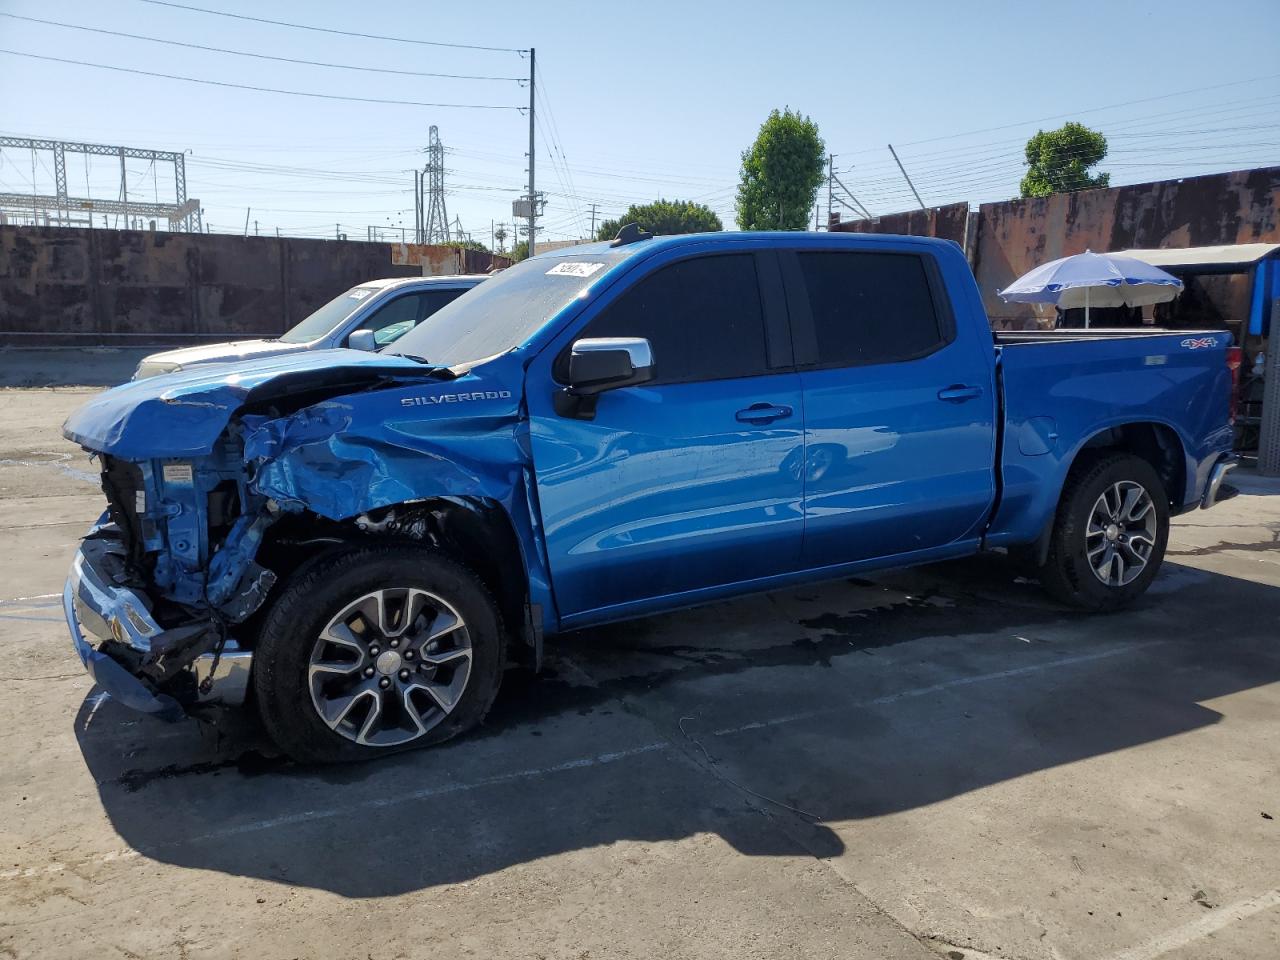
(332, 460)
(466, 438)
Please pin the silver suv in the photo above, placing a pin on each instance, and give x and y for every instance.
(367, 317)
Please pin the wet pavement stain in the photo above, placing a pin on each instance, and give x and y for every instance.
(1272, 547)
(251, 763)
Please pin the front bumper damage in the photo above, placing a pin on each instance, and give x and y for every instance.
(162, 672)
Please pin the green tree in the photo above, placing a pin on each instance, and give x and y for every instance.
(1058, 161)
(664, 217)
(781, 173)
(520, 251)
(475, 245)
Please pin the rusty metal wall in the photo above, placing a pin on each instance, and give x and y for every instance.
(439, 260)
(73, 286)
(1013, 236)
(947, 223)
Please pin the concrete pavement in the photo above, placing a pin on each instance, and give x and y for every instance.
(934, 762)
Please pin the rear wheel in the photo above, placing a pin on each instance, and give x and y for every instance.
(377, 650)
(1109, 534)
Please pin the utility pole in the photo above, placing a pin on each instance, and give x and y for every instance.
(906, 178)
(246, 221)
(831, 175)
(594, 208)
(417, 208)
(255, 228)
(533, 196)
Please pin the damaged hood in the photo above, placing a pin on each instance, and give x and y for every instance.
(182, 414)
(229, 352)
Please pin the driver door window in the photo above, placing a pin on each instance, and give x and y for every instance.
(395, 319)
(702, 317)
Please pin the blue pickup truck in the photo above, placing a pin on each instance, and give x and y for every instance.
(364, 541)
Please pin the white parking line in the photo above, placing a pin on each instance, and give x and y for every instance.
(1199, 929)
(939, 687)
(38, 596)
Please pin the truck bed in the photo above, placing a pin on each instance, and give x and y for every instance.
(1063, 389)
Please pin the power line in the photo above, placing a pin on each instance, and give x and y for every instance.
(343, 33)
(1060, 116)
(259, 56)
(245, 86)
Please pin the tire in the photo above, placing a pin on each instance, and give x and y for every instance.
(350, 696)
(1076, 546)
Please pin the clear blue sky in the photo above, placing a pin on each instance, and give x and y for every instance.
(648, 99)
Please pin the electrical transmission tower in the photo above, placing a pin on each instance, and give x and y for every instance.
(435, 220)
(63, 208)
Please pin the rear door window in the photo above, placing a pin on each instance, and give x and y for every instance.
(433, 300)
(870, 308)
(702, 317)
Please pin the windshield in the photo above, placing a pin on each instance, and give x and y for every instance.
(328, 316)
(505, 310)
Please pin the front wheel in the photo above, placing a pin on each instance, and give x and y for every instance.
(1109, 535)
(376, 650)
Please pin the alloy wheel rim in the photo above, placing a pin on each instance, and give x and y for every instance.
(1121, 533)
(390, 666)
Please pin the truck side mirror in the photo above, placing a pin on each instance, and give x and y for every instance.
(362, 340)
(600, 364)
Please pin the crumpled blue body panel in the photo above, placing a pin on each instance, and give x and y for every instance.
(393, 431)
(342, 457)
(463, 438)
(182, 414)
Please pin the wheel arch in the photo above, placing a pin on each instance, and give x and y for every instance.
(1154, 441)
(476, 531)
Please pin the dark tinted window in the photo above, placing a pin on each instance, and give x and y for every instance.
(433, 300)
(702, 317)
(870, 307)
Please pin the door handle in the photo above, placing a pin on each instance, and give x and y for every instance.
(959, 393)
(760, 413)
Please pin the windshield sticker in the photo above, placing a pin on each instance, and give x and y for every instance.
(360, 294)
(574, 269)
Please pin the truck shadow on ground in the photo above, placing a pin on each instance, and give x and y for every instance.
(902, 692)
